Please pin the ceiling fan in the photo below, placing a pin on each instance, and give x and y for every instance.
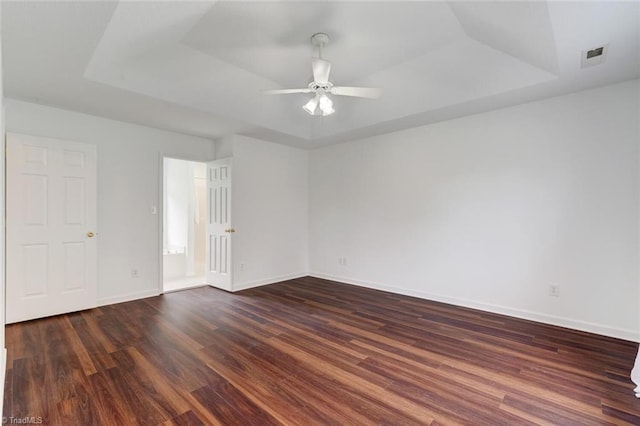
(321, 85)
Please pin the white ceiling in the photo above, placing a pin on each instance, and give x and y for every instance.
(200, 67)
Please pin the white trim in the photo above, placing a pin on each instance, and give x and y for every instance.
(160, 217)
(128, 297)
(273, 280)
(589, 327)
(3, 373)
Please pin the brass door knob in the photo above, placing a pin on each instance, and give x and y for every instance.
(90, 234)
(229, 230)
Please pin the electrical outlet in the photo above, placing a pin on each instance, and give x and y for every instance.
(554, 290)
(134, 273)
(342, 261)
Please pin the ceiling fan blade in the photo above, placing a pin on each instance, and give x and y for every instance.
(321, 70)
(360, 92)
(287, 91)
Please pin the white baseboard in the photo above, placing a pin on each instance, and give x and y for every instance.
(3, 373)
(189, 287)
(266, 281)
(619, 333)
(236, 287)
(127, 297)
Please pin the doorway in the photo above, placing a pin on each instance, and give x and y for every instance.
(184, 227)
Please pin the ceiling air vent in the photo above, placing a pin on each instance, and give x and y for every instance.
(594, 56)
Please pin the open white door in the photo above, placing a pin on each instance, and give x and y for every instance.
(219, 230)
(51, 227)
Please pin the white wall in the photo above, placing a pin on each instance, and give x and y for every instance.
(224, 147)
(488, 210)
(269, 211)
(129, 158)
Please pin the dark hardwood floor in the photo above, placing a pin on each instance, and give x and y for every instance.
(310, 351)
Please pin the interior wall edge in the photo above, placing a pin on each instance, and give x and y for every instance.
(604, 330)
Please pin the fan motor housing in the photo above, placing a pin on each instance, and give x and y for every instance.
(320, 39)
(315, 86)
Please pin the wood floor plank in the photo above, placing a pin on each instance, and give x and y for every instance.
(96, 331)
(32, 391)
(232, 406)
(622, 415)
(78, 347)
(346, 378)
(310, 351)
(186, 419)
(150, 392)
(166, 389)
(267, 388)
(95, 346)
(113, 409)
(178, 366)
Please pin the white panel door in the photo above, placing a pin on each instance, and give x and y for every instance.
(51, 227)
(219, 230)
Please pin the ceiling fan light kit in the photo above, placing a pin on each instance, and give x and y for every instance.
(319, 100)
(326, 105)
(311, 106)
(321, 85)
